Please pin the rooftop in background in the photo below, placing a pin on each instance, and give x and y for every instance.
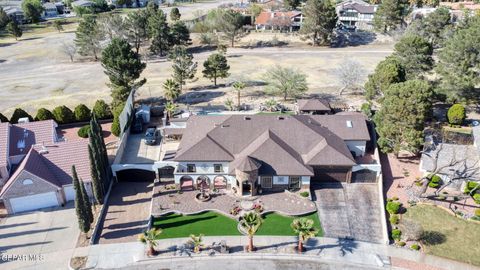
(313, 104)
(461, 5)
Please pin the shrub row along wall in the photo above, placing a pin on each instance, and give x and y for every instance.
(62, 114)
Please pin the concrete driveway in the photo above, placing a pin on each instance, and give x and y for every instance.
(45, 239)
(349, 210)
(128, 212)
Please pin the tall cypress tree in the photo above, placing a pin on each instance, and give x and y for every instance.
(86, 202)
(102, 147)
(83, 219)
(96, 184)
(99, 162)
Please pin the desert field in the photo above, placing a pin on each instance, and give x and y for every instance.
(36, 73)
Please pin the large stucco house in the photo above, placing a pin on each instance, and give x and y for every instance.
(250, 154)
(35, 166)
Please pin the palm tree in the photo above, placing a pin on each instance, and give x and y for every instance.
(250, 222)
(150, 239)
(271, 104)
(239, 87)
(197, 242)
(170, 108)
(172, 89)
(305, 230)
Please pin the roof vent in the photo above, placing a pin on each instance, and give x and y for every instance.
(224, 126)
(23, 120)
(349, 124)
(247, 118)
(281, 118)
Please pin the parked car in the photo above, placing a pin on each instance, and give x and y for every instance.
(152, 135)
(137, 125)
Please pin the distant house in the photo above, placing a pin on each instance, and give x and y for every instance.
(82, 3)
(15, 13)
(313, 106)
(356, 14)
(279, 20)
(50, 10)
(35, 166)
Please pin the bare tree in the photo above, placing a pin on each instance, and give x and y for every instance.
(350, 74)
(69, 49)
(460, 167)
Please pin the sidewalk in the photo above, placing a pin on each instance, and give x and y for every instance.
(320, 249)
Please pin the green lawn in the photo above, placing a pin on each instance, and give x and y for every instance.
(454, 238)
(207, 223)
(275, 224)
(215, 224)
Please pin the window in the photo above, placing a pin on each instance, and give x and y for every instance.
(294, 182)
(27, 182)
(266, 181)
(191, 168)
(218, 167)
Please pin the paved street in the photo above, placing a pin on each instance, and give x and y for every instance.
(351, 210)
(128, 212)
(51, 234)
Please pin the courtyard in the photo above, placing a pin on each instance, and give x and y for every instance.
(166, 199)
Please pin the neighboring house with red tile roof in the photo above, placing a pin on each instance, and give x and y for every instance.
(249, 153)
(36, 167)
(279, 20)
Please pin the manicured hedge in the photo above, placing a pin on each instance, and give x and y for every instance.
(63, 115)
(102, 110)
(82, 113)
(3, 118)
(396, 234)
(393, 207)
(456, 114)
(83, 131)
(19, 113)
(44, 114)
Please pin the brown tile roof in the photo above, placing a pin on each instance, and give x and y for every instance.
(24, 135)
(283, 145)
(313, 105)
(265, 17)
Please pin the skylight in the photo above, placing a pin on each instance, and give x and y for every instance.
(349, 124)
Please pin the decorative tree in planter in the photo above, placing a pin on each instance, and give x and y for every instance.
(250, 223)
(150, 239)
(305, 230)
(197, 242)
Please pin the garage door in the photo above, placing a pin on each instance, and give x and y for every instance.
(33, 202)
(69, 193)
(135, 175)
(323, 174)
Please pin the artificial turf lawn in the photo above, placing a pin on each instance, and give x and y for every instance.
(275, 224)
(214, 224)
(207, 223)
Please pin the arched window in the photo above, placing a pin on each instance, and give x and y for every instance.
(27, 182)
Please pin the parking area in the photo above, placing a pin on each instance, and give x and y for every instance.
(44, 235)
(137, 151)
(128, 212)
(349, 210)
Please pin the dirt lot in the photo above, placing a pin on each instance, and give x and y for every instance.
(35, 72)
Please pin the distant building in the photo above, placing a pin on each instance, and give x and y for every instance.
(15, 13)
(82, 3)
(50, 10)
(279, 20)
(356, 14)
